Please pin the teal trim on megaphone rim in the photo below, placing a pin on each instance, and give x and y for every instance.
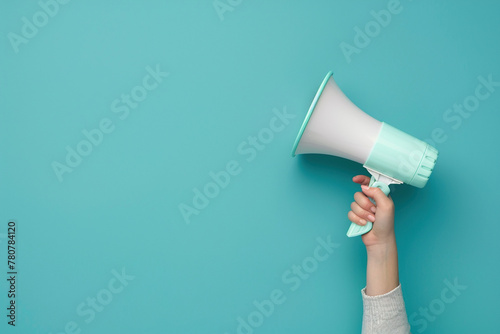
(311, 109)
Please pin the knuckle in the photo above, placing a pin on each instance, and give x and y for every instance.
(367, 204)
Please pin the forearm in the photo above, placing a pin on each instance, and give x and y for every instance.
(383, 305)
(382, 273)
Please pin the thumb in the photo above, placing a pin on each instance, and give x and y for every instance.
(378, 195)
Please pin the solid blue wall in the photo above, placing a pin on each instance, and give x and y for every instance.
(112, 242)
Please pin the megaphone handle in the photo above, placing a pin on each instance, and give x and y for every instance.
(355, 229)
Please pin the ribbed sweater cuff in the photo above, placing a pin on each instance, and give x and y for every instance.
(385, 313)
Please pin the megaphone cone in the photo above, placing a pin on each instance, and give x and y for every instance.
(335, 126)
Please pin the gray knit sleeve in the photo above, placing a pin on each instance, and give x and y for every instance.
(385, 314)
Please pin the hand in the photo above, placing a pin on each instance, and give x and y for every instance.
(380, 214)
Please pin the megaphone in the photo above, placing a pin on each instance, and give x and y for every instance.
(335, 126)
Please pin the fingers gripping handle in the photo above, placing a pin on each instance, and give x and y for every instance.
(355, 229)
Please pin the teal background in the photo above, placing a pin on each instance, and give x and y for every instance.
(120, 207)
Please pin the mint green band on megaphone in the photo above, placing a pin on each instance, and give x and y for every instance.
(355, 229)
(402, 157)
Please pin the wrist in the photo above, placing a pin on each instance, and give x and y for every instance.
(382, 245)
(382, 268)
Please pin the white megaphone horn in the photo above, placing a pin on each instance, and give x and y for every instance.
(335, 126)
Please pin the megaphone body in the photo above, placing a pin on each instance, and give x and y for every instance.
(335, 126)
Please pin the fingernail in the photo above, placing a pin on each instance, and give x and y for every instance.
(373, 209)
(362, 221)
(364, 187)
(371, 218)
